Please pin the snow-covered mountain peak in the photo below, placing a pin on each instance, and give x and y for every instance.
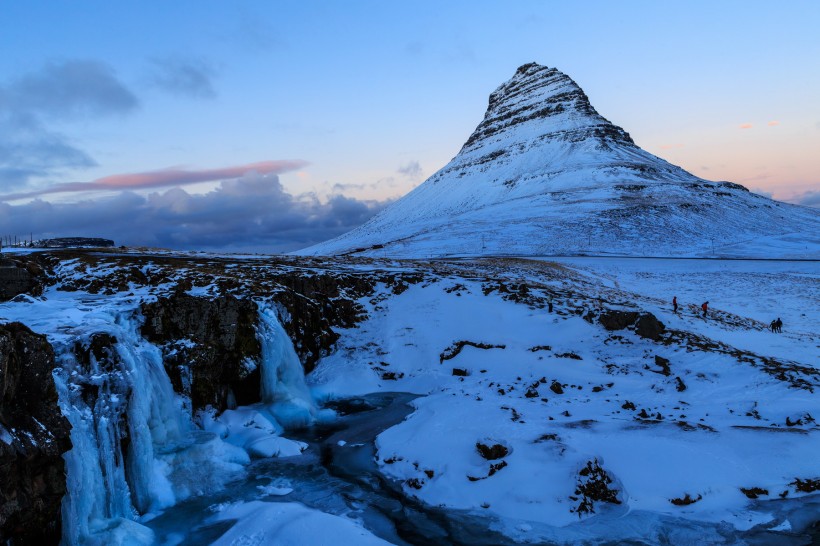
(543, 103)
(544, 174)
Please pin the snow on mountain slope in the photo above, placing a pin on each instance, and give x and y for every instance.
(544, 173)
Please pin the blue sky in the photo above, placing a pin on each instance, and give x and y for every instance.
(342, 106)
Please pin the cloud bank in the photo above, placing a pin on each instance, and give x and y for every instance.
(252, 213)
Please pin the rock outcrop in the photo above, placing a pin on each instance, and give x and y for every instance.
(33, 437)
(645, 325)
(317, 303)
(210, 349)
(19, 277)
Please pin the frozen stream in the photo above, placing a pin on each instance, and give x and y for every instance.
(337, 475)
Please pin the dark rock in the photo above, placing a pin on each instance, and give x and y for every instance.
(754, 492)
(540, 348)
(15, 279)
(496, 467)
(685, 501)
(648, 326)
(617, 320)
(663, 364)
(492, 451)
(572, 356)
(453, 350)
(594, 486)
(32, 469)
(680, 386)
(460, 372)
(799, 420)
(556, 387)
(225, 355)
(807, 485)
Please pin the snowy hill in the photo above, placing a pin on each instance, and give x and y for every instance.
(544, 173)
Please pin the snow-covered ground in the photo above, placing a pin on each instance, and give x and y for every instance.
(563, 393)
(543, 424)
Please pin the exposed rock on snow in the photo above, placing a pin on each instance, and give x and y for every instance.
(33, 437)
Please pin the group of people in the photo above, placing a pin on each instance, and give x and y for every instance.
(775, 326)
(704, 306)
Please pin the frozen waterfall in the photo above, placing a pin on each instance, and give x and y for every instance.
(135, 448)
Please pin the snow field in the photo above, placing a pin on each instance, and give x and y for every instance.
(725, 431)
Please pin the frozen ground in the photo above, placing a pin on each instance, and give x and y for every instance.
(560, 394)
(544, 425)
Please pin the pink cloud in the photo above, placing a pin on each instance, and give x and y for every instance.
(164, 178)
(773, 123)
(745, 126)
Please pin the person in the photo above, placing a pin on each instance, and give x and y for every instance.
(549, 304)
(773, 326)
(705, 307)
(778, 324)
(675, 303)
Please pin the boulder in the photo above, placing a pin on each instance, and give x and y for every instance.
(613, 319)
(645, 324)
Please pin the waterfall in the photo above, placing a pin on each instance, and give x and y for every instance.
(283, 379)
(135, 450)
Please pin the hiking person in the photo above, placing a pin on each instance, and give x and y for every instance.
(675, 303)
(705, 307)
(773, 326)
(549, 305)
(778, 324)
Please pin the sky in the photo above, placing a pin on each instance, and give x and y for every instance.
(272, 125)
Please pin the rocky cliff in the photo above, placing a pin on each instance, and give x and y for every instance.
(20, 276)
(210, 350)
(33, 437)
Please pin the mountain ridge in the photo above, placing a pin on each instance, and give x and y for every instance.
(544, 172)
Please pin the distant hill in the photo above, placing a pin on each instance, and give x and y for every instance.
(75, 242)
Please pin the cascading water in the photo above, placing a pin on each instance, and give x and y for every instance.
(136, 449)
(283, 378)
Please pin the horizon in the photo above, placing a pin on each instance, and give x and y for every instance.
(233, 130)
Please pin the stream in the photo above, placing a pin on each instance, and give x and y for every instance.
(336, 474)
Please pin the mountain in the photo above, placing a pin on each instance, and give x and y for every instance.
(544, 173)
